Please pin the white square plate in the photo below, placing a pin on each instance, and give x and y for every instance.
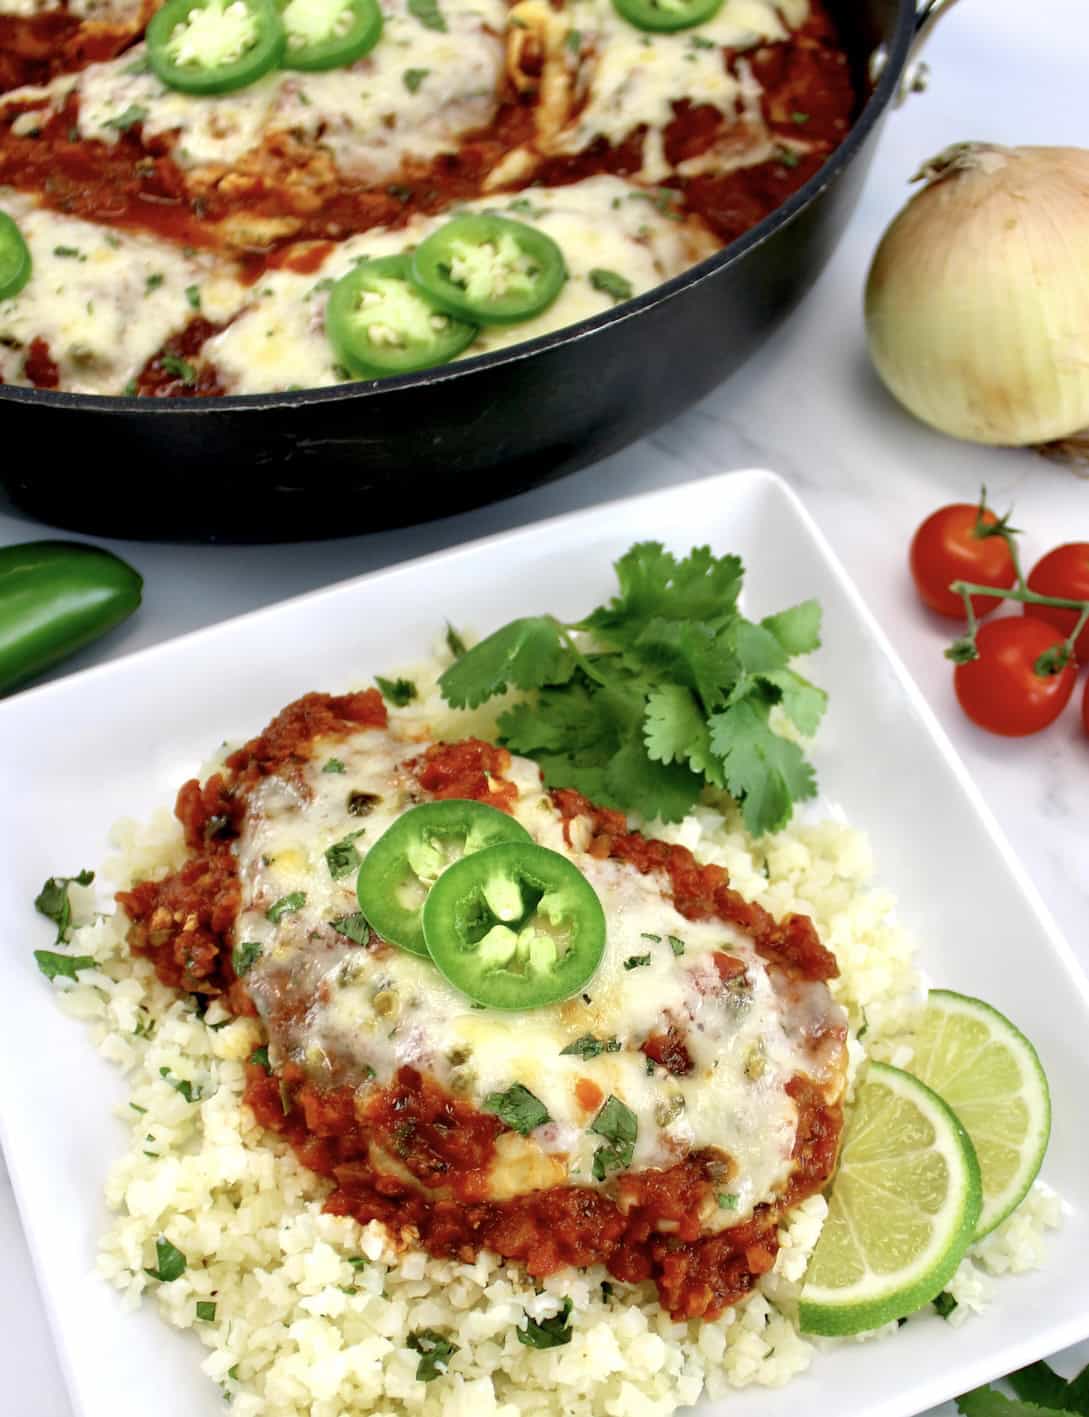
(118, 740)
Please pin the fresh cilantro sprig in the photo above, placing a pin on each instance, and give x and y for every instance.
(1041, 1392)
(662, 692)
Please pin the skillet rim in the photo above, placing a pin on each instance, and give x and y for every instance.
(364, 389)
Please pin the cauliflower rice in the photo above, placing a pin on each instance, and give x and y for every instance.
(312, 1312)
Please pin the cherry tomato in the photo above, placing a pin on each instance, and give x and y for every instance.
(949, 547)
(1001, 690)
(1065, 572)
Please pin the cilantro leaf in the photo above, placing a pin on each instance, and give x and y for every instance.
(653, 583)
(428, 14)
(454, 643)
(354, 927)
(766, 773)
(665, 790)
(758, 650)
(802, 702)
(286, 905)
(333, 765)
(547, 1333)
(170, 1262)
(526, 653)
(52, 901)
(259, 1058)
(1040, 1384)
(397, 692)
(244, 955)
(342, 858)
(798, 629)
(53, 964)
(590, 1047)
(435, 1353)
(675, 730)
(944, 1304)
(986, 1402)
(620, 1127)
(518, 1108)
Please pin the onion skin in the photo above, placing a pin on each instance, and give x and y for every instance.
(977, 300)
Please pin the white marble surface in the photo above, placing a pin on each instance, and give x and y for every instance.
(807, 406)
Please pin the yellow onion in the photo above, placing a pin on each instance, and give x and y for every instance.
(977, 301)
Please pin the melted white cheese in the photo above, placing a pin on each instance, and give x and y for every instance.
(369, 118)
(602, 223)
(625, 77)
(388, 1009)
(104, 301)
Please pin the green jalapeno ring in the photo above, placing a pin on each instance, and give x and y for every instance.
(427, 333)
(667, 16)
(443, 266)
(255, 60)
(515, 926)
(338, 48)
(413, 852)
(15, 260)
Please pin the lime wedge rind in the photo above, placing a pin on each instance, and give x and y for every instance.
(998, 1205)
(879, 1298)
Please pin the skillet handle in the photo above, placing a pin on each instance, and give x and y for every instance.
(916, 73)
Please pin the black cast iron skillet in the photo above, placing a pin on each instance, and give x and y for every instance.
(370, 455)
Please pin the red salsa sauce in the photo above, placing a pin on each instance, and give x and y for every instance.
(435, 1193)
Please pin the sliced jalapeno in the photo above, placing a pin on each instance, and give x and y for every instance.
(514, 926)
(14, 258)
(667, 14)
(406, 860)
(214, 46)
(490, 269)
(379, 322)
(325, 34)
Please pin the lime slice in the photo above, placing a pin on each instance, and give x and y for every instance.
(902, 1212)
(989, 1073)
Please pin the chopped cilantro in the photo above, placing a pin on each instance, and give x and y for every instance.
(52, 901)
(618, 287)
(676, 944)
(286, 905)
(676, 696)
(170, 1262)
(518, 1108)
(182, 1086)
(788, 157)
(606, 1289)
(362, 804)
(434, 1350)
(259, 1058)
(619, 1126)
(397, 692)
(428, 14)
(454, 643)
(244, 955)
(124, 121)
(180, 368)
(53, 964)
(206, 1311)
(72, 252)
(359, 1261)
(326, 283)
(130, 391)
(590, 1047)
(654, 939)
(524, 207)
(333, 765)
(636, 961)
(944, 1304)
(413, 78)
(799, 118)
(342, 858)
(573, 41)
(192, 295)
(700, 41)
(727, 1200)
(547, 1333)
(354, 927)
